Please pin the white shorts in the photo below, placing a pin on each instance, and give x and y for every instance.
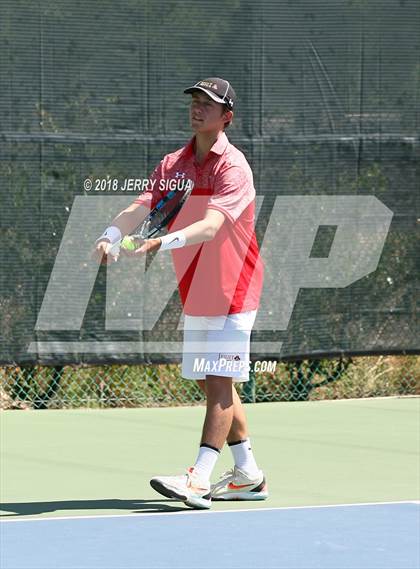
(217, 345)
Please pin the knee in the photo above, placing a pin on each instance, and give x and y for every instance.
(219, 389)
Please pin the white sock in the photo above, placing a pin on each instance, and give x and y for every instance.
(206, 461)
(244, 457)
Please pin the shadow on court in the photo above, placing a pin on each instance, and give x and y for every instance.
(135, 506)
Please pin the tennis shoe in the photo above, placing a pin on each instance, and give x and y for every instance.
(187, 488)
(235, 484)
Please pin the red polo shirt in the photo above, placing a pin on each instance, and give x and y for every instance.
(224, 275)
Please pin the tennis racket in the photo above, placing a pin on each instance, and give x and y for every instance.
(164, 211)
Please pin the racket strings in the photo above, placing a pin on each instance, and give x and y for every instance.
(162, 214)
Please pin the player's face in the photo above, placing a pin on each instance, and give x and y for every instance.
(205, 114)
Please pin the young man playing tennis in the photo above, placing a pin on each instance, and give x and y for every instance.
(219, 273)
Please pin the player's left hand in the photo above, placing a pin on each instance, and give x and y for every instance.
(147, 246)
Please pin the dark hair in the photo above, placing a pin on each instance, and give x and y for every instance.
(224, 109)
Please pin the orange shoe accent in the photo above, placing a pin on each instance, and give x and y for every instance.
(233, 486)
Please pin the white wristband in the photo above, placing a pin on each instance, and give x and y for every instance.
(112, 233)
(173, 240)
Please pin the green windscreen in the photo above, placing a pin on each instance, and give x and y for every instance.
(327, 114)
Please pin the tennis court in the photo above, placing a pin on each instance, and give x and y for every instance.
(343, 479)
(293, 130)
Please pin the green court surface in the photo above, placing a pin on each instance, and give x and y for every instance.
(91, 462)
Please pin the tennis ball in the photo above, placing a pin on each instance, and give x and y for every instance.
(129, 243)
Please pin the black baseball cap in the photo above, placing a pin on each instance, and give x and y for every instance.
(217, 89)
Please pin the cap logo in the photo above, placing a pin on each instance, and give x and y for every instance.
(208, 84)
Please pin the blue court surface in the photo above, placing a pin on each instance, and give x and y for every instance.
(368, 536)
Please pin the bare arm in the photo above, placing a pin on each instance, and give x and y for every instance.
(128, 219)
(198, 232)
(205, 229)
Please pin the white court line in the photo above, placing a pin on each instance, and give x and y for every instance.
(198, 512)
(92, 410)
(379, 398)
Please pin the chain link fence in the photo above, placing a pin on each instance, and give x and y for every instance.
(38, 387)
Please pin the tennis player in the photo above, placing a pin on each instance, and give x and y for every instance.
(220, 275)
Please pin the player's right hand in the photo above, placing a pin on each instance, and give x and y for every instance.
(101, 253)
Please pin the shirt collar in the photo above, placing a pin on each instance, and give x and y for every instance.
(218, 147)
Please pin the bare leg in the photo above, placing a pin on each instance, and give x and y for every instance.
(239, 429)
(219, 414)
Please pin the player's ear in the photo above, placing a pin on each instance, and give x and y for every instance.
(227, 116)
